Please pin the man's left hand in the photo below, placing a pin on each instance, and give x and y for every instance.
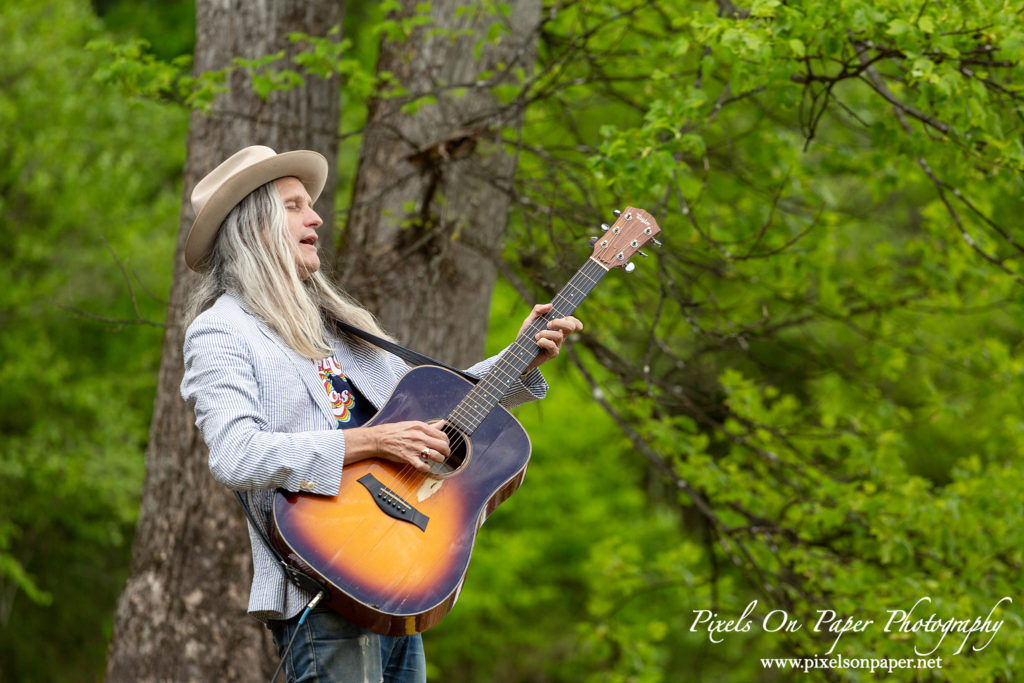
(550, 340)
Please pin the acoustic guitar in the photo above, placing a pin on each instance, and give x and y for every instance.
(393, 547)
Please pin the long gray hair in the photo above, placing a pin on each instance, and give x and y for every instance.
(253, 257)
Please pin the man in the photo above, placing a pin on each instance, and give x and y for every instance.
(279, 393)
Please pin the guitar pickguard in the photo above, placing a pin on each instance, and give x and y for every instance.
(429, 488)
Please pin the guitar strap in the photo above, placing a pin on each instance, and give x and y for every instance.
(408, 355)
(302, 581)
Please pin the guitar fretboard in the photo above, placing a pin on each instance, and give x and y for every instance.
(483, 398)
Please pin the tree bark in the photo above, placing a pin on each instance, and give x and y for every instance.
(431, 195)
(182, 615)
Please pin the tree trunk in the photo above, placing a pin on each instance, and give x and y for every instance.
(431, 194)
(182, 615)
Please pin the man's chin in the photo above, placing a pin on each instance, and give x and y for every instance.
(306, 270)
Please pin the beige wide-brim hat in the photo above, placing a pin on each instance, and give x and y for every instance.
(215, 195)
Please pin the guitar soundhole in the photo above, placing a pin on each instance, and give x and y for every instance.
(458, 443)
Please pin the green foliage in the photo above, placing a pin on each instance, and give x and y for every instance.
(821, 364)
(327, 55)
(89, 197)
(169, 25)
(397, 24)
(140, 73)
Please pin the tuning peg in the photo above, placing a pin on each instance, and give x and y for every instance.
(592, 241)
(605, 226)
(617, 213)
(642, 254)
(656, 242)
(629, 267)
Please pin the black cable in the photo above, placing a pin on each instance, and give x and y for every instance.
(291, 641)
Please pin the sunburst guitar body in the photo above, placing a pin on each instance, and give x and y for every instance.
(394, 545)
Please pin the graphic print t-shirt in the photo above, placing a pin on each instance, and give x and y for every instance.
(350, 408)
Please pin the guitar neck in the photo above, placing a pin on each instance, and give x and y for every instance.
(483, 398)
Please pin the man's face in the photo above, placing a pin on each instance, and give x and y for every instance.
(302, 224)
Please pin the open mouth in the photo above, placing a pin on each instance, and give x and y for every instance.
(309, 239)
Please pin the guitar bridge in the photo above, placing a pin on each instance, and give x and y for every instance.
(392, 504)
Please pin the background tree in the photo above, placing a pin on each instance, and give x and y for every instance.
(431, 195)
(191, 552)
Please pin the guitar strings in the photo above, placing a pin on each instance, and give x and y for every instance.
(504, 369)
(467, 415)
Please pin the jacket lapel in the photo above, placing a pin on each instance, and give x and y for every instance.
(363, 366)
(364, 370)
(311, 378)
(304, 368)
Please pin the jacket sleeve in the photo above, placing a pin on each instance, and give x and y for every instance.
(246, 452)
(529, 387)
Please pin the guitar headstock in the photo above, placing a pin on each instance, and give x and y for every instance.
(633, 229)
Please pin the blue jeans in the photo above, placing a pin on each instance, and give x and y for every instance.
(330, 648)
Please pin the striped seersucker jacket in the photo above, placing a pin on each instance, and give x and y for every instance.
(268, 424)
